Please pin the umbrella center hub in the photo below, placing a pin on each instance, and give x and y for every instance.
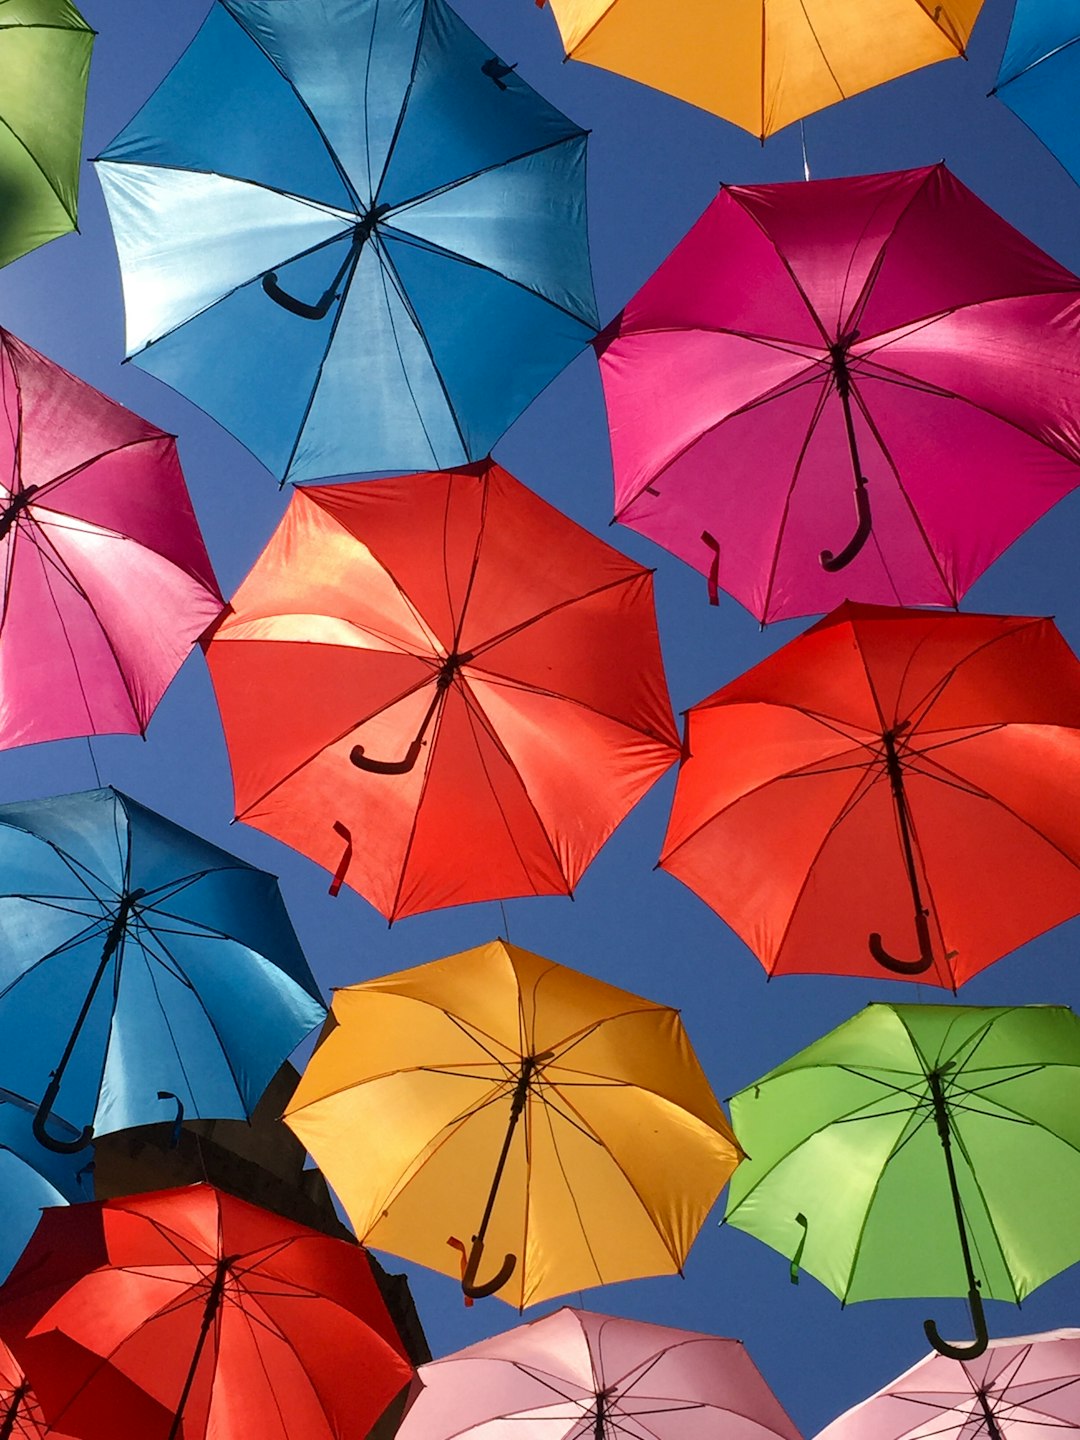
(15, 506)
(366, 225)
(450, 667)
(839, 360)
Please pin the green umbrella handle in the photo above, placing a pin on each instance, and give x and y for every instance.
(489, 1287)
(978, 1320)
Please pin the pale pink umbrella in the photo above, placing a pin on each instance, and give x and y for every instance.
(1017, 1389)
(881, 354)
(575, 1375)
(106, 580)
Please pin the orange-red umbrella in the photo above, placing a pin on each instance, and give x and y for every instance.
(895, 788)
(441, 688)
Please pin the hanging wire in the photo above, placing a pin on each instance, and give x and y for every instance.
(805, 160)
(506, 923)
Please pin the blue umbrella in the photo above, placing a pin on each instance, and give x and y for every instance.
(144, 973)
(1039, 77)
(351, 233)
(32, 1177)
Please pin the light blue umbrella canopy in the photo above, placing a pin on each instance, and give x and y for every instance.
(1040, 75)
(32, 1176)
(141, 969)
(351, 233)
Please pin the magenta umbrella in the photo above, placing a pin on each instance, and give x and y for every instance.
(1017, 1389)
(845, 389)
(576, 1374)
(107, 583)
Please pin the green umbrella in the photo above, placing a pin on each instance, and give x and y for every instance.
(920, 1150)
(44, 62)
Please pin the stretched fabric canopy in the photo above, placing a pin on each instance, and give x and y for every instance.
(352, 234)
(1039, 77)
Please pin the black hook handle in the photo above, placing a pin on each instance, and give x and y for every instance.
(318, 311)
(489, 1287)
(832, 562)
(41, 1116)
(906, 967)
(978, 1321)
(178, 1118)
(387, 767)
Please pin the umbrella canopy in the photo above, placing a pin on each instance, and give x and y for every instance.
(20, 1414)
(370, 215)
(44, 65)
(1017, 1389)
(763, 63)
(141, 968)
(620, 1152)
(575, 1375)
(919, 1150)
(107, 583)
(1039, 77)
(894, 788)
(882, 353)
(450, 670)
(32, 1177)
(187, 1313)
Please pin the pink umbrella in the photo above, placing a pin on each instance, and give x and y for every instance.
(107, 583)
(1017, 1389)
(575, 1374)
(881, 354)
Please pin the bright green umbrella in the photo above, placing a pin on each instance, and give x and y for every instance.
(44, 62)
(920, 1150)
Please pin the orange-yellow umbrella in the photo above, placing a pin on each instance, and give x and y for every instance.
(763, 63)
(496, 1098)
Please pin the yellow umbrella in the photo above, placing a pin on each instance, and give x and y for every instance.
(499, 1096)
(764, 63)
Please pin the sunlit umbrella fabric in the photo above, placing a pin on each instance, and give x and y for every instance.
(576, 1375)
(893, 788)
(1020, 1387)
(621, 1150)
(850, 1175)
(879, 357)
(188, 1313)
(441, 689)
(106, 580)
(140, 967)
(1039, 77)
(763, 63)
(45, 50)
(352, 234)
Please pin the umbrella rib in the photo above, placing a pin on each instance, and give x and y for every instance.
(27, 151)
(872, 426)
(51, 557)
(46, 487)
(406, 96)
(271, 1388)
(459, 623)
(629, 1183)
(811, 430)
(796, 282)
(874, 271)
(509, 682)
(342, 172)
(934, 694)
(1050, 54)
(554, 609)
(418, 242)
(957, 1135)
(811, 375)
(388, 272)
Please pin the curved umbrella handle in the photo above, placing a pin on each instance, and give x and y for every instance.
(832, 562)
(387, 767)
(318, 311)
(61, 1147)
(489, 1287)
(978, 1321)
(906, 967)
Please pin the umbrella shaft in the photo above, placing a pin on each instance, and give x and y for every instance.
(993, 1429)
(941, 1116)
(213, 1300)
(517, 1105)
(7, 1429)
(896, 780)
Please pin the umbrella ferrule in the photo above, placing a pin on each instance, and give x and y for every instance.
(17, 503)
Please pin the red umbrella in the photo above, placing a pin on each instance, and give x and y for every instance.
(894, 788)
(20, 1414)
(188, 1313)
(106, 580)
(441, 688)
